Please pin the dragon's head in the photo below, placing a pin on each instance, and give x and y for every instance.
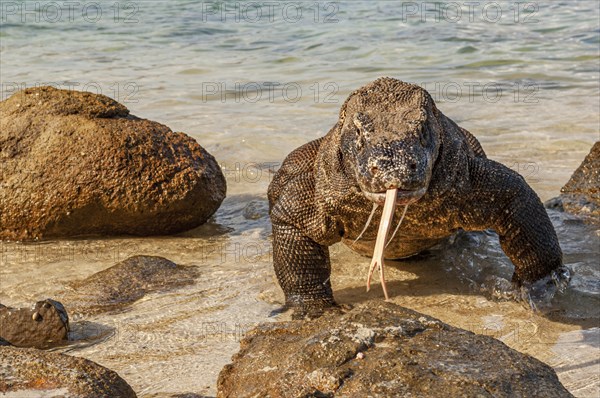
(390, 139)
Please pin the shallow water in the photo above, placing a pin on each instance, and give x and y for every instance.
(250, 92)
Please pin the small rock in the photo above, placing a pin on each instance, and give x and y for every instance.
(127, 282)
(32, 372)
(45, 324)
(255, 210)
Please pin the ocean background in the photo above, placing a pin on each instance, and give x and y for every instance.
(251, 81)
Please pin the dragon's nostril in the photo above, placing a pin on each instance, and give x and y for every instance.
(413, 166)
(374, 170)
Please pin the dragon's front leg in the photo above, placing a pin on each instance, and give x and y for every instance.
(303, 269)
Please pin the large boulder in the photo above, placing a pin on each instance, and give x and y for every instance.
(380, 349)
(43, 325)
(126, 282)
(76, 163)
(581, 194)
(28, 372)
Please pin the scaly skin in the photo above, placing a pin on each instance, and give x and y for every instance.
(391, 135)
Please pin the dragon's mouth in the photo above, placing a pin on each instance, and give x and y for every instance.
(403, 197)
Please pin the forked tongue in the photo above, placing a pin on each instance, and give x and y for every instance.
(384, 227)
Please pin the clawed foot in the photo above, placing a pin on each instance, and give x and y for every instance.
(310, 307)
(537, 295)
(307, 312)
(543, 291)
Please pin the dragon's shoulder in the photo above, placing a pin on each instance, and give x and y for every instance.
(298, 165)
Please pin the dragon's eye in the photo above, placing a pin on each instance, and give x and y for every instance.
(364, 127)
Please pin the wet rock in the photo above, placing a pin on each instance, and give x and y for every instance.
(581, 195)
(256, 210)
(33, 372)
(380, 349)
(76, 163)
(43, 325)
(126, 282)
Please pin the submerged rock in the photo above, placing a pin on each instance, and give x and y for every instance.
(76, 163)
(32, 372)
(43, 325)
(127, 282)
(380, 349)
(581, 194)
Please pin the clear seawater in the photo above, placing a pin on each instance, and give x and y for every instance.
(253, 80)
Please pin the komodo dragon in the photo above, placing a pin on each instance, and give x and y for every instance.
(390, 135)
